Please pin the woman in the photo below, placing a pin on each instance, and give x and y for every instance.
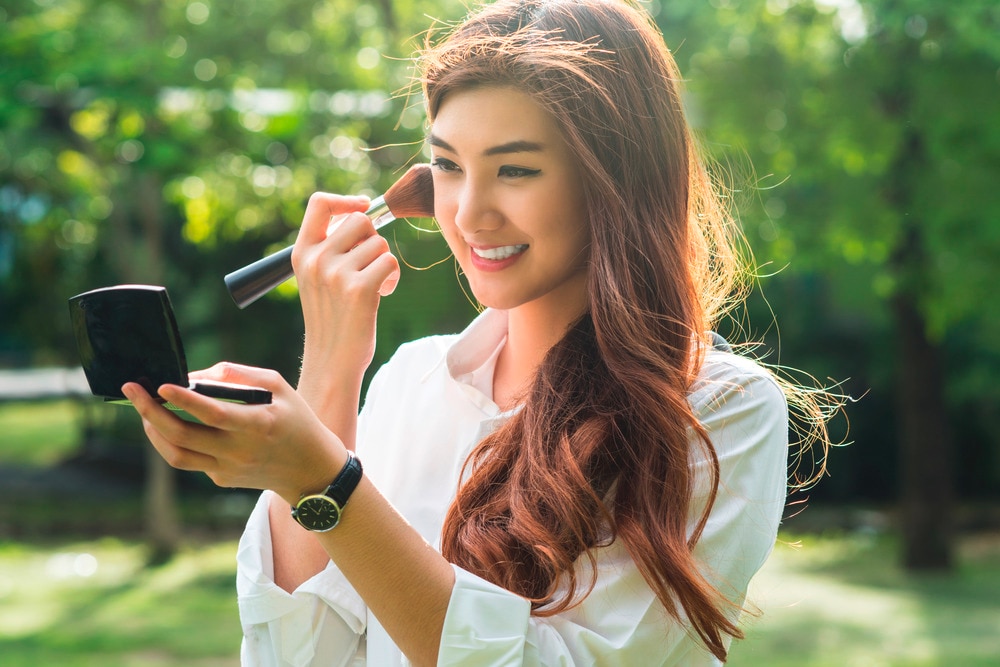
(579, 477)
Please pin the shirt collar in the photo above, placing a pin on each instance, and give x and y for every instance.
(480, 341)
(471, 357)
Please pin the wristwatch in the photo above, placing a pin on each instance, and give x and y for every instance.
(321, 512)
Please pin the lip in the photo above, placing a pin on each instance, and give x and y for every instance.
(486, 264)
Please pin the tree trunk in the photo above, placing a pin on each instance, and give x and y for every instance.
(162, 521)
(139, 257)
(925, 444)
(926, 499)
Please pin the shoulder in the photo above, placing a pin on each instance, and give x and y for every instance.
(729, 384)
(398, 388)
(416, 358)
(742, 408)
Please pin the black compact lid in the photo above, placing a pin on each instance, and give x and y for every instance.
(128, 333)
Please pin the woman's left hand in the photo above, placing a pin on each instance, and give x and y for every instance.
(280, 446)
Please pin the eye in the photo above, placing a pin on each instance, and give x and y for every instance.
(443, 164)
(508, 171)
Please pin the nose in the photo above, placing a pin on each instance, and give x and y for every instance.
(476, 207)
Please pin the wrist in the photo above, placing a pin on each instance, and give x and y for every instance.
(321, 512)
(330, 378)
(351, 353)
(313, 475)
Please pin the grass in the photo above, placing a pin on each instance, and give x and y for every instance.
(831, 601)
(843, 601)
(95, 603)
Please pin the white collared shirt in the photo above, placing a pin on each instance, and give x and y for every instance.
(424, 412)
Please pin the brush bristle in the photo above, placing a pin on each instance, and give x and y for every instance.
(412, 196)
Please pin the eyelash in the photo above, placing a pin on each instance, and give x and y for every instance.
(518, 172)
(444, 165)
(506, 171)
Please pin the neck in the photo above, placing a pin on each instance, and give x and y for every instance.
(531, 333)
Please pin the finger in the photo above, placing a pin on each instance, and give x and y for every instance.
(348, 231)
(335, 222)
(174, 430)
(321, 208)
(147, 407)
(166, 431)
(388, 285)
(167, 424)
(209, 411)
(226, 371)
(365, 252)
(311, 258)
(178, 456)
(375, 269)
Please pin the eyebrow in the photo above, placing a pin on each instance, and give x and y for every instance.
(519, 146)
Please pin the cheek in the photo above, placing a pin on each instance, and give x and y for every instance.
(446, 223)
(445, 207)
(564, 223)
(562, 205)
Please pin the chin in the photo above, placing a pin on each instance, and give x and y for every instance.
(494, 303)
(490, 299)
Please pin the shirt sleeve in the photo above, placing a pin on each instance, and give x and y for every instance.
(747, 419)
(324, 623)
(621, 622)
(321, 623)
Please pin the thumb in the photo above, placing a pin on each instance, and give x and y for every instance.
(226, 371)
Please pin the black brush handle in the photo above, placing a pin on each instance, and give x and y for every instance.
(253, 281)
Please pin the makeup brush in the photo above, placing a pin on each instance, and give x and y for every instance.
(412, 196)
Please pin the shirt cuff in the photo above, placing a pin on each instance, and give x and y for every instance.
(262, 601)
(484, 624)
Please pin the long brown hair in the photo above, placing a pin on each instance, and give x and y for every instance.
(600, 450)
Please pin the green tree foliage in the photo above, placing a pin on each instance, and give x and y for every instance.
(871, 126)
(169, 142)
(173, 141)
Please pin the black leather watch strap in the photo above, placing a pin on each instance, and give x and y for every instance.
(343, 485)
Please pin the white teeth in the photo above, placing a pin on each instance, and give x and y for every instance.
(503, 252)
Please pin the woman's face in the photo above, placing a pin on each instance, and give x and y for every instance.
(509, 199)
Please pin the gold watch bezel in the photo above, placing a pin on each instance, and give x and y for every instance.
(328, 502)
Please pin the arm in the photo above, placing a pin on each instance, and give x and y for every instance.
(342, 270)
(341, 276)
(621, 618)
(322, 623)
(284, 446)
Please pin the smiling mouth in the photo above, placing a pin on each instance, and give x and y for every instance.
(499, 253)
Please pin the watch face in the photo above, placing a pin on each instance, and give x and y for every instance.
(318, 513)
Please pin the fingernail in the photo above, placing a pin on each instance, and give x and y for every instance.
(168, 387)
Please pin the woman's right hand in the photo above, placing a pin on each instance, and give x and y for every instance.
(343, 268)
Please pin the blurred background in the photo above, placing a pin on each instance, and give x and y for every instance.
(169, 142)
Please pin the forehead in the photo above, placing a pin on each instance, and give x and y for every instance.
(478, 118)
